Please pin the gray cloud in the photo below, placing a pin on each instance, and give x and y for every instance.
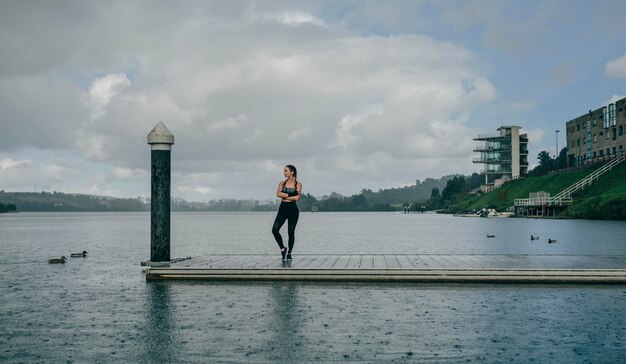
(245, 88)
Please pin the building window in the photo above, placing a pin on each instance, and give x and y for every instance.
(605, 117)
(614, 134)
(601, 153)
(612, 114)
(594, 138)
(621, 130)
(577, 127)
(614, 150)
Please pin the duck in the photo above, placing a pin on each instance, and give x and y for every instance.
(491, 236)
(534, 237)
(57, 260)
(550, 241)
(79, 255)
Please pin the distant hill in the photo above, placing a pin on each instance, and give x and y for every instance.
(420, 191)
(63, 202)
(367, 200)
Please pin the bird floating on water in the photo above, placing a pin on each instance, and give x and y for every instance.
(79, 255)
(550, 241)
(57, 260)
(491, 236)
(534, 237)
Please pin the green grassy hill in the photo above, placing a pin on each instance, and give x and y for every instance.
(605, 199)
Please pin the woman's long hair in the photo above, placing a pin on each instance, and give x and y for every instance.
(295, 172)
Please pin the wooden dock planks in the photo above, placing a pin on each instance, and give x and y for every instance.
(492, 268)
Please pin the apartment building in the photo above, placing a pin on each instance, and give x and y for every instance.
(596, 135)
(504, 155)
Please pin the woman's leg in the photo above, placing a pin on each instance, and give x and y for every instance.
(281, 217)
(291, 226)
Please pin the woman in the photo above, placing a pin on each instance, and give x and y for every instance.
(289, 191)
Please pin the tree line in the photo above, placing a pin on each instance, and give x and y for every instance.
(430, 194)
(7, 208)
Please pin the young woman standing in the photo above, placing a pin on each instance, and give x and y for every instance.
(289, 191)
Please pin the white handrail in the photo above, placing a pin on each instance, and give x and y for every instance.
(588, 180)
(564, 196)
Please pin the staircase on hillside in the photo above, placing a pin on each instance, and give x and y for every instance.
(565, 196)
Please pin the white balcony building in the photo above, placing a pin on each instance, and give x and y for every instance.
(505, 156)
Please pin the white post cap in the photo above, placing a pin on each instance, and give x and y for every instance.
(160, 138)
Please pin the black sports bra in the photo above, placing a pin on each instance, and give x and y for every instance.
(290, 191)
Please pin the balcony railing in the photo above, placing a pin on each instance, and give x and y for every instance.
(492, 137)
(482, 148)
(491, 171)
(492, 160)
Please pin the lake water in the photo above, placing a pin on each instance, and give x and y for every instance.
(101, 309)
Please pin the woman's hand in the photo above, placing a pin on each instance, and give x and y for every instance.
(287, 197)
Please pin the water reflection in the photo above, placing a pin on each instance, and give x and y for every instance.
(159, 339)
(286, 321)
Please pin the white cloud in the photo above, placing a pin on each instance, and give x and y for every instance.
(535, 136)
(300, 133)
(91, 144)
(613, 99)
(122, 173)
(8, 163)
(295, 18)
(229, 123)
(102, 90)
(616, 68)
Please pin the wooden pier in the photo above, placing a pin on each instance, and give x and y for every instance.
(458, 268)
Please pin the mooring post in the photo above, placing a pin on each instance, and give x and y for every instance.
(160, 140)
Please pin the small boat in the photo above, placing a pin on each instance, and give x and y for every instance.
(467, 215)
(79, 255)
(57, 260)
(532, 237)
(491, 236)
(503, 214)
(551, 241)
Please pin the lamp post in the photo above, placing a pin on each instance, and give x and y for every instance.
(556, 153)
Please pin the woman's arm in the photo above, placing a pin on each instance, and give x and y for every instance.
(296, 197)
(280, 194)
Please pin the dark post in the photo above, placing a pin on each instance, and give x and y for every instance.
(160, 140)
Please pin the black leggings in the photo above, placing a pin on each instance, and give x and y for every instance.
(287, 211)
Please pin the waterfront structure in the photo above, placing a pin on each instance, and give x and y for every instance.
(379, 268)
(597, 135)
(505, 156)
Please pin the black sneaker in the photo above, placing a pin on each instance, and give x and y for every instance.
(288, 256)
(283, 253)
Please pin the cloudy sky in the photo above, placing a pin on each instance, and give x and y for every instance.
(356, 94)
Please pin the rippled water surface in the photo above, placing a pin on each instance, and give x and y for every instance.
(101, 309)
